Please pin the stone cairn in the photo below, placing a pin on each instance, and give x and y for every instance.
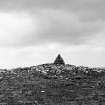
(59, 60)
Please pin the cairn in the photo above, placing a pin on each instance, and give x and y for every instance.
(59, 60)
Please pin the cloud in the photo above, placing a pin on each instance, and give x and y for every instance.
(67, 27)
(87, 9)
(34, 31)
(46, 26)
(70, 5)
(13, 28)
(72, 22)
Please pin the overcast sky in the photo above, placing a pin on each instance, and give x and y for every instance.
(35, 31)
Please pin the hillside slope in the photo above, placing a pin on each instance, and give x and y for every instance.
(53, 84)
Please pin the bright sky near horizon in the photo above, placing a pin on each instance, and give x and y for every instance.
(34, 31)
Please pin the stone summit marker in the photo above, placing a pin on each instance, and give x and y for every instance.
(59, 60)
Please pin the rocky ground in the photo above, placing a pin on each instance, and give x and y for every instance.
(53, 84)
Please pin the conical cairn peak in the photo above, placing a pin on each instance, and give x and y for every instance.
(59, 60)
